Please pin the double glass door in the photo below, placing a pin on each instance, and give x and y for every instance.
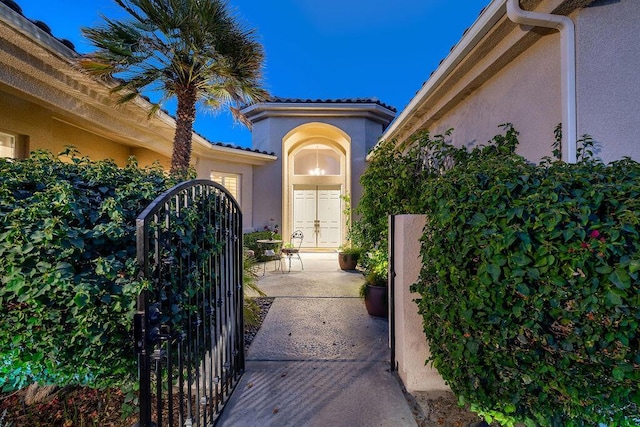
(316, 211)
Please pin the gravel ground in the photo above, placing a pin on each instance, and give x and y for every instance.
(250, 331)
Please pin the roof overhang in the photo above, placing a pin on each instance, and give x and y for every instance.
(41, 69)
(487, 46)
(371, 110)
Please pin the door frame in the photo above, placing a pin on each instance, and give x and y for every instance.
(303, 136)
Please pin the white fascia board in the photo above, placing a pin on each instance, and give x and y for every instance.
(485, 22)
(237, 155)
(374, 111)
(205, 148)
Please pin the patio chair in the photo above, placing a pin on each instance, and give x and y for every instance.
(270, 251)
(293, 248)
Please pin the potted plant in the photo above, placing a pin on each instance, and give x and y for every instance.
(374, 290)
(348, 257)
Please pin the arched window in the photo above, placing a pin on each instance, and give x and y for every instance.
(317, 159)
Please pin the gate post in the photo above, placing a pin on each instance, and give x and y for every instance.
(411, 347)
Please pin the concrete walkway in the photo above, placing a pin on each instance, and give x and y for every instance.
(319, 359)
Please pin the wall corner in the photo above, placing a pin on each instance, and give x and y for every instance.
(411, 348)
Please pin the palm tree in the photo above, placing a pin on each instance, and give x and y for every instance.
(194, 50)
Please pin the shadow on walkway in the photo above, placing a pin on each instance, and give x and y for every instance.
(319, 359)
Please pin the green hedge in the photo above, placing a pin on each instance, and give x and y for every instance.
(390, 186)
(530, 285)
(67, 262)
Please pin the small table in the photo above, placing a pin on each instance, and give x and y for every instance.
(268, 245)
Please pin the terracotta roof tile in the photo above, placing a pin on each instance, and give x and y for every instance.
(279, 100)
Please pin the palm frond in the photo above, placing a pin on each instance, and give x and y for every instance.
(179, 46)
(95, 67)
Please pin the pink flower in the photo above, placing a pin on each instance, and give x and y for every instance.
(595, 234)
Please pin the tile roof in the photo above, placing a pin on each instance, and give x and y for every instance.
(42, 26)
(279, 100)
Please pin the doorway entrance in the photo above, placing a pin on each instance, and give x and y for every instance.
(316, 211)
(316, 168)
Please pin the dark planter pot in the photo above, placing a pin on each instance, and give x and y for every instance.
(377, 301)
(347, 261)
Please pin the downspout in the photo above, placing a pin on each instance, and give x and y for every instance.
(568, 53)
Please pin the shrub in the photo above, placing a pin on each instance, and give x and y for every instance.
(67, 262)
(391, 185)
(530, 286)
(249, 283)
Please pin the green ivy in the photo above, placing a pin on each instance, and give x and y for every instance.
(67, 262)
(392, 185)
(530, 283)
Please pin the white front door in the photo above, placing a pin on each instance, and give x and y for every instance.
(304, 215)
(316, 211)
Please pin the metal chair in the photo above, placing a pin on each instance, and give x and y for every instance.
(270, 252)
(294, 250)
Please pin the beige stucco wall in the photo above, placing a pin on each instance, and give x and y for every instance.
(608, 60)
(204, 167)
(88, 144)
(411, 348)
(147, 157)
(526, 93)
(44, 130)
(267, 179)
(269, 135)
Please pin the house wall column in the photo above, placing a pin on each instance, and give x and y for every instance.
(411, 348)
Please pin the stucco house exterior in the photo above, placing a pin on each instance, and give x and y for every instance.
(581, 72)
(48, 102)
(321, 146)
(500, 71)
(509, 67)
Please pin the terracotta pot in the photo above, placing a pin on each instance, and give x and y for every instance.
(377, 301)
(347, 261)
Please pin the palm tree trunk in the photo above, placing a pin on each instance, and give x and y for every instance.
(186, 114)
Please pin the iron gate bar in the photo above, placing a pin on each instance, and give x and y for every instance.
(189, 324)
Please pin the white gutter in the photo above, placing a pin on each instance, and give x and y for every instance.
(568, 53)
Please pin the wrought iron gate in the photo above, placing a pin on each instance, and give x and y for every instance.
(189, 325)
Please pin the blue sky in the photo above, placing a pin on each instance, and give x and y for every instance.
(324, 49)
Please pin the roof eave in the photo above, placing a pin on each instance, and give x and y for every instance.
(483, 24)
(34, 33)
(205, 149)
(372, 110)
